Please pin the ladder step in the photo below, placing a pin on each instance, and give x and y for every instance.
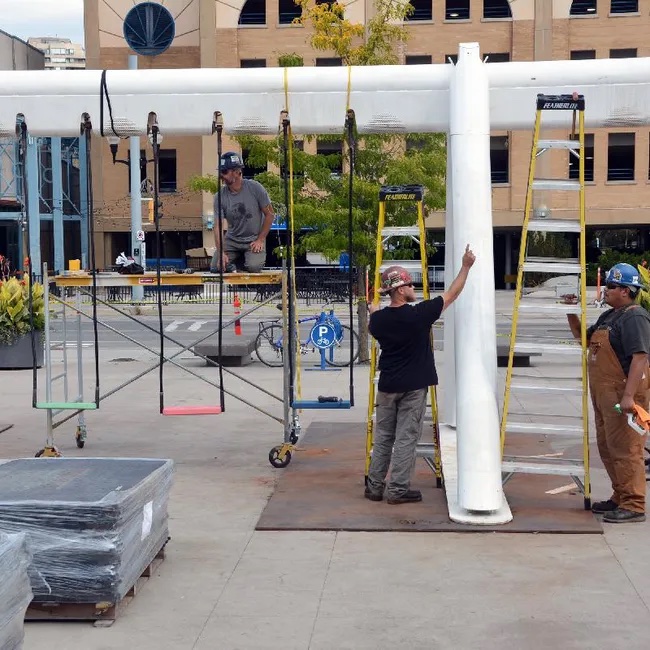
(559, 468)
(401, 231)
(552, 265)
(542, 308)
(556, 184)
(409, 265)
(425, 450)
(559, 348)
(536, 387)
(543, 429)
(554, 225)
(558, 144)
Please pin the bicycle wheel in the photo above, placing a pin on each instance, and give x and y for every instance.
(339, 354)
(268, 346)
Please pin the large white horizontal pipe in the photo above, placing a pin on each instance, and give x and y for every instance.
(477, 412)
(384, 98)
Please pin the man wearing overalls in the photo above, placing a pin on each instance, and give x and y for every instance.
(619, 344)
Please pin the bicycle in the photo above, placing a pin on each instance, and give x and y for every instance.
(269, 342)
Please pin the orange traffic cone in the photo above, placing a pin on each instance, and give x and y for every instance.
(237, 305)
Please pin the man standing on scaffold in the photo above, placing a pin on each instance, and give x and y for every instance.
(407, 369)
(246, 207)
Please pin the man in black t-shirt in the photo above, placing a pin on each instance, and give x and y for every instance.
(407, 369)
(619, 343)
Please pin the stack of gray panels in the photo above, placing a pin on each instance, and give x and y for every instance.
(15, 590)
(92, 524)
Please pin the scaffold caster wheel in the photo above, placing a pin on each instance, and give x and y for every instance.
(48, 452)
(587, 503)
(276, 460)
(80, 436)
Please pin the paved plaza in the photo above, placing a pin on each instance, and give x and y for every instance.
(225, 586)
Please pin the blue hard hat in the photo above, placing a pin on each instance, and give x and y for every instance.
(231, 160)
(625, 275)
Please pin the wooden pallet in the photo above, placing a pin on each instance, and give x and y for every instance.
(103, 614)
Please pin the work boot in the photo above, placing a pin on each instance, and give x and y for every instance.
(410, 496)
(600, 507)
(373, 496)
(623, 516)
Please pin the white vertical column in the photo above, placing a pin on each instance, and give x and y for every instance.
(448, 380)
(477, 414)
(137, 293)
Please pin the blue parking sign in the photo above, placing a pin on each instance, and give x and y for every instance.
(323, 335)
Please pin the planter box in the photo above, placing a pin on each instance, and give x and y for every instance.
(18, 355)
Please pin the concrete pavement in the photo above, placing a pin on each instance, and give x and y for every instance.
(224, 586)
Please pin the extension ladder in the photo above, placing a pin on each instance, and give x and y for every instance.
(527, 383)
(429, 451)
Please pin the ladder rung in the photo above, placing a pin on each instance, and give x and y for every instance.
(556, 184)
(555, 225)
(536, 387)
(401, 231)
(543, 429)
(561, 468)
(550, 265)
(550, 306)
(559, 348)
(558, 144)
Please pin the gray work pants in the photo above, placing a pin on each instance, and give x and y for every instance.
(398, 431)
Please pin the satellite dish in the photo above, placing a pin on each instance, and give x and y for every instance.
(149, 29)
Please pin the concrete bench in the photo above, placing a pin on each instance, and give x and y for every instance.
(236, 351)
(521, 359)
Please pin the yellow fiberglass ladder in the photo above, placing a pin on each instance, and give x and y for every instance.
(563, 420)
(429, 451)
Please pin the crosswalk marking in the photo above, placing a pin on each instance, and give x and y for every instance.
(174, 325)
(196, 326)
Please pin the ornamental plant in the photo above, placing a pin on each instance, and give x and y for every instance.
(15, 319)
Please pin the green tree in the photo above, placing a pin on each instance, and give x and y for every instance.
(320, 189)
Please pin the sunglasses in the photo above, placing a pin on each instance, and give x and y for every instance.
(410, 284)
(611, 285)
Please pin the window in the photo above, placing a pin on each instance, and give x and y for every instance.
(288, 11)
(249, 171)
(252, 63)
(334, 150)
(583, 7)
(451, 58)
(624, 53)
(422, 10)
(574, 162)
(253, 13)
(624, 6)
(167, 171)
(496, 9)
(457, 10)
(497, 57)
(326, 62)
(499, 159)
(418, 59)
(582, 55)
(620, 157)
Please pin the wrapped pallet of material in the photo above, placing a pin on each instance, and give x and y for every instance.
(15, 590)
(93, 525)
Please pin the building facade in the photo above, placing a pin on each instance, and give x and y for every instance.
(60, 53)
(254, 33)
